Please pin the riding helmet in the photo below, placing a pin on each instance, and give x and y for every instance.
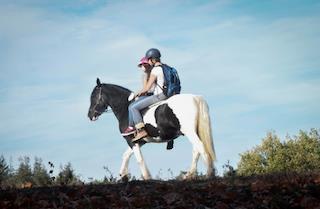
(153, 53)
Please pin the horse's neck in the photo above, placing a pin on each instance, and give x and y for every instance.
(122, 116)
(118, 101)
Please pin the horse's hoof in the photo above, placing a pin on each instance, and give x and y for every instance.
(148, 177)
(189, 176)
(124, 179)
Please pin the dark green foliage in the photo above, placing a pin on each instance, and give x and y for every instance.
(300, 153)
(4, 170)
(24, 173)
(229, 171)
(67, 175)
(41, 176)
(26, 176)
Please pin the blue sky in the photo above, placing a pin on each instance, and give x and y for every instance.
(256, 62)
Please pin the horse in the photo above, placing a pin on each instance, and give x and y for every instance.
(181, 114)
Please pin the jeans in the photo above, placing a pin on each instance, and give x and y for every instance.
(135, 116)
(131, 123)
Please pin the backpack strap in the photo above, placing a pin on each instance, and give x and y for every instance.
(162, 88)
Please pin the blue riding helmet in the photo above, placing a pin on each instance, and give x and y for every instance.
(153, 53)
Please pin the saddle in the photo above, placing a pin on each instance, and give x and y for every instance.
(152, 131)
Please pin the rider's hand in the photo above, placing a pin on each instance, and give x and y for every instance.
(140, 93)
(137, 94)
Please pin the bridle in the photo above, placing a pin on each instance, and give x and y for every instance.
(100, 99)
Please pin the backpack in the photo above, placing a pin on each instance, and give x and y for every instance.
(171, 81)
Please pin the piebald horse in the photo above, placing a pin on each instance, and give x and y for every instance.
(182, 114)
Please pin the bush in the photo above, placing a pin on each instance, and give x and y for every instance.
(300, 153)
(24, 173)
(228, 170)
(35, 176)
(41, 176)
(67, 176)
(4, 171)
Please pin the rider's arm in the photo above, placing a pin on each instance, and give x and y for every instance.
(145, 81)
(148, 85)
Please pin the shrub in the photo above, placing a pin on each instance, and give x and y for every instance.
(41, 176)
(4, 171)
(300, 153)
(24, 173)
(67, 176)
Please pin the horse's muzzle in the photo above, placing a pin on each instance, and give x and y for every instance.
(94, 118)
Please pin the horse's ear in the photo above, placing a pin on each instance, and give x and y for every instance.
(98, 82)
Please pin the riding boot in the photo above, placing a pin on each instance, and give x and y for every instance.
(141, 133)
(128, 131)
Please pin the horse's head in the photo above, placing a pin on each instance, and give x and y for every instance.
(99, 103)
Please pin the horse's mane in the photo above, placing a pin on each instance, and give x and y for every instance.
(114, 86)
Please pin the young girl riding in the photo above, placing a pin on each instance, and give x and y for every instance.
(152, 92)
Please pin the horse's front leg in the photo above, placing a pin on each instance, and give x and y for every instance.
(144, 170)
(125, 163)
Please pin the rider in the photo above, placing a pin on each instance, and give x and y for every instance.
(146, 68)
(154, 86)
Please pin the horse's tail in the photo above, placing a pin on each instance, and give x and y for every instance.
(204, 127)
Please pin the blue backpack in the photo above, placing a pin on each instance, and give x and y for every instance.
(171, 81)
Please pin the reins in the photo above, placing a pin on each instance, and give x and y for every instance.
(100, 99)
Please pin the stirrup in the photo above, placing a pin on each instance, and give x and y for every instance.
(138, 137)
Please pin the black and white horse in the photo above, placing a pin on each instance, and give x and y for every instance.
(183, 114)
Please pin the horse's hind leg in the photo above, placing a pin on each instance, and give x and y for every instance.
(125, 162)
(199, 147)
(193, 168)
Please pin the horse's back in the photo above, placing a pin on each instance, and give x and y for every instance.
(182, 105)
(181, 99)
